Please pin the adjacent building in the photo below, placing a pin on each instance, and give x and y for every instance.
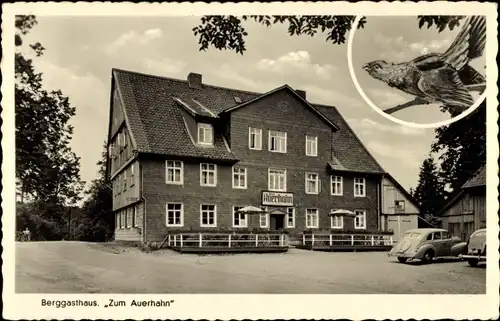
(466, 212)
(399, 211)
(184, 155)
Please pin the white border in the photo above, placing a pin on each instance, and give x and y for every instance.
(481, 98)
(230, 306)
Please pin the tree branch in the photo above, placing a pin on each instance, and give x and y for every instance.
(414, 102)
(417, 101)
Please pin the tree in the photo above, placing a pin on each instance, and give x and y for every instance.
(429, 192)
(46, 168)
(97, 223)
(462, 146)
(228, 32)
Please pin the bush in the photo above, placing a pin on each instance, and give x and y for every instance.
(33, 216)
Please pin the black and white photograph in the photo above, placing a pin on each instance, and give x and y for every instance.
(149, 156)
(423, 73)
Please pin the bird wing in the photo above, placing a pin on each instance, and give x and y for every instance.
(444, 85)
(469, 43)
(428, 61)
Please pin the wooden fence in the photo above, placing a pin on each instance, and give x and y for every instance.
(227, 240)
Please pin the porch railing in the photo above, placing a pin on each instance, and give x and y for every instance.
(227, 240)
(326, 239)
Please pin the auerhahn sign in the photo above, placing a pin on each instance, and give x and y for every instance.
(277, 199)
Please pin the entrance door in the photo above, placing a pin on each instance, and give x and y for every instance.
(276, 221)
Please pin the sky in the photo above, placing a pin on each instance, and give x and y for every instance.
(82, 50)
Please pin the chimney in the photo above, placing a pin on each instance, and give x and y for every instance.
(194, 80)
(301, 93)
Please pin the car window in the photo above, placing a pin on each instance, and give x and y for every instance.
(446, 235)
(429, 237)
(437, 235)
(479, 234)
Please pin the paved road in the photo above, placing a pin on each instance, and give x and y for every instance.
(74, 267)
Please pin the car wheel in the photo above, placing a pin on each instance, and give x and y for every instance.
(473, 262)
(428, 256)
(402, 259)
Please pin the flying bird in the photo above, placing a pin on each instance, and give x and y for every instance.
(439, 77)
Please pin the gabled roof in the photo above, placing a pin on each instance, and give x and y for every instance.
(156, 119)
(153, 107)
(286, 87)
(478, 179)
(349, 153)
(403, 191)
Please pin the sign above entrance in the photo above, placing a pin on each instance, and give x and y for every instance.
(277, 198)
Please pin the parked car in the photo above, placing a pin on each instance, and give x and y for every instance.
(426, 244)
(475, 250)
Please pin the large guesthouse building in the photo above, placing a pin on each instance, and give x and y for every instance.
(184, 155)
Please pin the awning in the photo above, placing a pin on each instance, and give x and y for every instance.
(342, 212)
(251, 210)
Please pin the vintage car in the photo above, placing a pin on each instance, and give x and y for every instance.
(475, 250)
(426, 244)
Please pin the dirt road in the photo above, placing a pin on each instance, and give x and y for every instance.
(77, 267)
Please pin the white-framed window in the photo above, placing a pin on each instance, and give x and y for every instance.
(128, 213)
(175, 172)
(277, 141)
(360, 219)
(312, 183)
(239, 177)
(337, 221)
(311, 145)
(264, 220)
(124, 219)
(290, 217)
(117, 218)
(336, 185)
(255, 138)
(134, 215)
(132, 174)
(208, 174)
(239, 219)
(208, 215)
(399, 206)
(205, 134)
(124, 180)
(359, 187)
(312, 218)
(175, 214)
(277, 179)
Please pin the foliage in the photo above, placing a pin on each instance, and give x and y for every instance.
(97, 221)
(46, 168)
(228, 32)
(462, 146)
(429, 193)
(34, 216)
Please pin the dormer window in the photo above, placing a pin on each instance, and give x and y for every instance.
(205, 134)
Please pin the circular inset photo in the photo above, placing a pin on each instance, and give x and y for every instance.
(420, 71)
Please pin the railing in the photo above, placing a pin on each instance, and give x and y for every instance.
(326, 239)
(227, 240)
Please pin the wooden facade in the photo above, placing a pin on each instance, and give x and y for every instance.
(467, 213)
(399, 212)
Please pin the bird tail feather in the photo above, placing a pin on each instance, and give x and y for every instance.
(470, 76)
(469, 43)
